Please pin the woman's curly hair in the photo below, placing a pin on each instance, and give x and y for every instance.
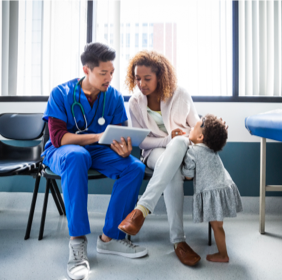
(215, 133)
(160, 65)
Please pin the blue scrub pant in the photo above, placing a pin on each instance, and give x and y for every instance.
(72, 162)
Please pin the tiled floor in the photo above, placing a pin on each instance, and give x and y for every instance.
(252, 255)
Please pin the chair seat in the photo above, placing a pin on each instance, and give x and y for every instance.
(92, 174)
(10, 166)
(148, 173)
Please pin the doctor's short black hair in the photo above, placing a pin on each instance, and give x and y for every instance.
(96, 52)
(215, 133)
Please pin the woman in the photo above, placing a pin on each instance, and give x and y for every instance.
(168, 111)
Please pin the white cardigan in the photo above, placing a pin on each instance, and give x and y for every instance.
(178, 111)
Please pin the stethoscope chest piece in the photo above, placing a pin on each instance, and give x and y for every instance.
(101, 121)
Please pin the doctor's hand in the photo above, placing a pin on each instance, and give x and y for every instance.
(123, 149)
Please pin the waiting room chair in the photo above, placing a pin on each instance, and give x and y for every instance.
(18, 160)
(51, 183)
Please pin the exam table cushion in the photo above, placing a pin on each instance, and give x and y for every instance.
(266, 125)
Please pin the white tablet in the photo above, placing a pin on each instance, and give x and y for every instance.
(115, 132)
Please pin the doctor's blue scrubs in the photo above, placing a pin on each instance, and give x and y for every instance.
(72, 162)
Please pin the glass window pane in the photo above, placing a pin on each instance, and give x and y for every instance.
(49, 44)
(196, 37)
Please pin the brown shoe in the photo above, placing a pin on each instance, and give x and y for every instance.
(186, 254)
(132, 223)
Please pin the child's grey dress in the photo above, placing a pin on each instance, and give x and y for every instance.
(215, 194)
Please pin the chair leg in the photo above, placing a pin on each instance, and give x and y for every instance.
(55, 186)
(56, 199)
(210, 237)
(32, 207)
(44, 209)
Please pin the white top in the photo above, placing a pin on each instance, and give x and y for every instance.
(157, 116)
(178, 111)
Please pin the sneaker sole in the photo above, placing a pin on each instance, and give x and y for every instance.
(127, 255)
(72, 277)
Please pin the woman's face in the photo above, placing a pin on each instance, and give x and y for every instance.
(146, 79)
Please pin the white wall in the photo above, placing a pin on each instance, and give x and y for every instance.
(233, 113)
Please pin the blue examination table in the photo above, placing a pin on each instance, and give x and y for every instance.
(265, 125)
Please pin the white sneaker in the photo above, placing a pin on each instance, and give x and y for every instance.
(121, 247)
(78, 265)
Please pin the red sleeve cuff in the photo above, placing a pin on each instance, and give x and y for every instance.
(57, 129)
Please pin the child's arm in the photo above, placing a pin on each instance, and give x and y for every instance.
(189, 164)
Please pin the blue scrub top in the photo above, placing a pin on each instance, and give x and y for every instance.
(61, 99)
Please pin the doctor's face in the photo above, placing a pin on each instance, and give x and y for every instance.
(101, 76)
(146, 79)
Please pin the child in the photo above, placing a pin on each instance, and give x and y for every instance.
(215, 194)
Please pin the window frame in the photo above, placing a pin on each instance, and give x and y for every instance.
(235, 62)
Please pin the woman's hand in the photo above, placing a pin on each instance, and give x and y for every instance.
(123, 149)
(177, 132)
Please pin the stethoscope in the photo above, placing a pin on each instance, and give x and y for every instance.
(101, 121)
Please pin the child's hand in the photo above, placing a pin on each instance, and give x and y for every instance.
(177, 132)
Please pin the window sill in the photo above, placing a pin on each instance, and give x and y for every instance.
(245, 99)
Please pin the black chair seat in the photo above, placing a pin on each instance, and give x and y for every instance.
(9, 167)
(48, 174)
(148, 173)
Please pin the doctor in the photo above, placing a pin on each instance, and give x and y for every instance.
(78, 113)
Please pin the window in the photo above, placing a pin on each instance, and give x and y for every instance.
(144, 40)
(41, 42)
(106, 32)
(193, 37)
(151, 35)
(121, 40)
(128, 40)
(144, 35)
(106, 38)
(260, 56)
(128, 35)
(136, 35)
(136, 40)
(200, 38)
(111, 35)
